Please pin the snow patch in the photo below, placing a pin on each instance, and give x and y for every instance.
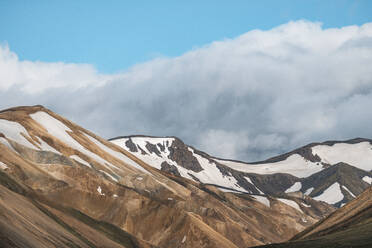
(59, 130)
(305, 205)
(13, 130)
(295, 165)
(45, 147)
(263, 199)
(152, 160)
(3, 166)
(6, 143)
(250, 181)
(291, 203)
(184, 239)
(228, 190)
(209, 175)
(358, 155)
(116, 154)
(80, 160)
(294, 188)
(109, 175)
(212, 175)
(367, 179)
(309, 190)
(100, 190)
(331, 195)
(344, 187)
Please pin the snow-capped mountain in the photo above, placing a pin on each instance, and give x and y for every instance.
(333, 171)
(63, 186)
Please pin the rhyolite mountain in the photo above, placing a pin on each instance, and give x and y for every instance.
(332, 171)
(349, 226)
(63, 186)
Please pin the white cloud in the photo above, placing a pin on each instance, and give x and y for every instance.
(223, 143)
(259, 94)
(33, 77)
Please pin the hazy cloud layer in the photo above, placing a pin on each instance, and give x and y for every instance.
(247, 98)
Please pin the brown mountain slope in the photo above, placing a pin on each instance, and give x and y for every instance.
(25, 222)
(92, 192)
(350, 226)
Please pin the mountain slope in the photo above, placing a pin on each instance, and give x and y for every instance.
(350, 226)
(25, 222)
(306, 170)
(95, 193)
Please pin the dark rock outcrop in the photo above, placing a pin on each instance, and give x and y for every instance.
(170, 169)
(131, 146)
(180, 153)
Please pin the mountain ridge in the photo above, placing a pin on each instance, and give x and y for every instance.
(251, 177)
(274, 158)
(75, 177)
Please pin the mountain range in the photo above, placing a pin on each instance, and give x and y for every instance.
(333, 171)
(64, 186)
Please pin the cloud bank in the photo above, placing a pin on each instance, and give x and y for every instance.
(254, 96)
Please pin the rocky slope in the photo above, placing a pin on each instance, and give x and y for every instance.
(350, 226)
(333, 171)
(27, 221)
(63, 186)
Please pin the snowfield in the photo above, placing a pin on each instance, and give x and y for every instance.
(209, 175)
(331, 195)
(59, 130)
(14, 130)
(116, 154)
(154, 161)
(212, 175)
(358, 155)
(295, 165)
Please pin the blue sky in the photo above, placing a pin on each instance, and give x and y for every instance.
(114, 35)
